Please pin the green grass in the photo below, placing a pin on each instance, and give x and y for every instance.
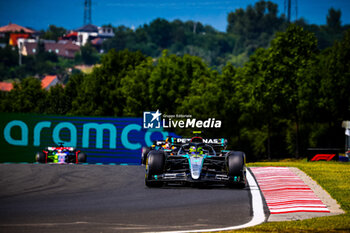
(334, 177)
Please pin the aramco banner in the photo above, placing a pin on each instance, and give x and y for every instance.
(103, 139)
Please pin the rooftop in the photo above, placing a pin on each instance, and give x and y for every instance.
(45, 83)
(12, 27)
(87, 28)
(4, 86)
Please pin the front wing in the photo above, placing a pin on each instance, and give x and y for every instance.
(186, 178)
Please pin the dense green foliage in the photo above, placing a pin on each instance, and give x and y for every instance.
(247, 30)
(40, 64)
(286, 98)
(277, 89)
(88, 55)
(53, 33)
(255, 26)
(178, 37)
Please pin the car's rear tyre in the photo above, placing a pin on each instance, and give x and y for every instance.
(154, 166)
(145, 151)
(82, 157)
(236, 168)
(40, 157)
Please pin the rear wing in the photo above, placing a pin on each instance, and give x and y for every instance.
(50, 148)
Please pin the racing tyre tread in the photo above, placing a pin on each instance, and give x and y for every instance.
(154, 166)
(235, 167)
(40, 157)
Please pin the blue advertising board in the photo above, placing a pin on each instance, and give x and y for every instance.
(103, 139)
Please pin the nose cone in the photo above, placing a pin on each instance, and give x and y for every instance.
(196, 167)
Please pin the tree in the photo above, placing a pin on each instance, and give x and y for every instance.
(8, 60)
(57, 102)
(333, 20)
(27, 96)
(171, 80)
(160, 32)
(290, 56)
(255, 25)
(334, 70)
(88, 55)
(42, 55)
(212, 95)
(135, 89)
(53, 33)
(260, 103)
(123, 36)
(101, 91)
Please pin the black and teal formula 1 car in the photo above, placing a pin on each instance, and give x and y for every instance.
(196, 160)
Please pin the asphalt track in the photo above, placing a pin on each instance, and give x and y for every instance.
(110, 198)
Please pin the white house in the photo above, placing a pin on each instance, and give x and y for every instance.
(89, 32)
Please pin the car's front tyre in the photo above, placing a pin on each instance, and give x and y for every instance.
(236, 168)
(40, 157)
(154, 166)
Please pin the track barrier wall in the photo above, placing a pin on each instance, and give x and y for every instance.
(103, 139)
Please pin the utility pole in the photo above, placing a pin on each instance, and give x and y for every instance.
(20, 54)
(87, 12)
(296, 9)
(288, 9)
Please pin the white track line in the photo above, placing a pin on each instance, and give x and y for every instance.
(257, 206)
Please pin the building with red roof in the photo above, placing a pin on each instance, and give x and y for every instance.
(4, 86)
(49, 81)
(15, 32)
(90, 32)
(63, 48)
(12, 27)
(70, 36)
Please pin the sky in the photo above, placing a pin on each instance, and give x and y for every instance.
(39, 14)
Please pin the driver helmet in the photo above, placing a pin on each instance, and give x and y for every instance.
(200, 150)
(192, 150)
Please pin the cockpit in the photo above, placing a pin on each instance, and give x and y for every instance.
(196, 149)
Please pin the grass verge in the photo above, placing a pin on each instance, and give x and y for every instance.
(334, 177)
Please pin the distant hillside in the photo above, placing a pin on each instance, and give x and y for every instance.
(247, 30)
